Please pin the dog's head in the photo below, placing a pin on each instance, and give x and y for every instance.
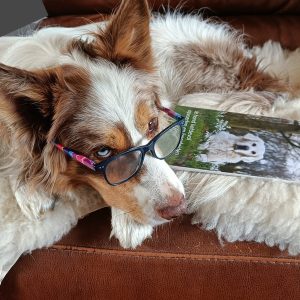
(250, 147)
(104, 103)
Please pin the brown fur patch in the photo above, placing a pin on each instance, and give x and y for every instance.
(209, 67)
(219, 66)
(125, 40)
(145, 111)
(119, 138)
(250, 77)
(119, 196)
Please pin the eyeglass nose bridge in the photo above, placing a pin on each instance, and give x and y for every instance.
(149, 148)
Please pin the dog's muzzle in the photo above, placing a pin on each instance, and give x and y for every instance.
(173, 208)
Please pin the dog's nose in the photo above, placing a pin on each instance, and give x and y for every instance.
(175, 207)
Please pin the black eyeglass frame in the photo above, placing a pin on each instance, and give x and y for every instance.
(101, 167)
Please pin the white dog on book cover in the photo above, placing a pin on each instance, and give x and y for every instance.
(224, 147)
(110, 67)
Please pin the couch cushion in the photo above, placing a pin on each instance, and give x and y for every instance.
(229, 7)
(180, 262)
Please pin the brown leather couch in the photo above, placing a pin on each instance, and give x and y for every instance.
(181, 261)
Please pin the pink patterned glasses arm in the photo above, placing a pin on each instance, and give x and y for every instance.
(171, 113)
(80, 158)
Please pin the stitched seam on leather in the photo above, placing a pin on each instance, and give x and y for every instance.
(185, 253)
(271, 261)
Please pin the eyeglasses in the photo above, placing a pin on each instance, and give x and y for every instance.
(120, 168)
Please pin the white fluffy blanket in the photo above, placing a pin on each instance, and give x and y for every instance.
(250, 209)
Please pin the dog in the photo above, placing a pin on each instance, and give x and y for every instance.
(98, 90)
(224, 147)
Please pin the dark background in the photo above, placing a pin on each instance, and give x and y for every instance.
(18, 13)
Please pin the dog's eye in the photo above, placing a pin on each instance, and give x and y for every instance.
(253, 145)
(104, 152)
(253, 152)
(152, 125)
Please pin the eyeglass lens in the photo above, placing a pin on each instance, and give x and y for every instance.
(126, 165)
(123, 167)
(167, 142)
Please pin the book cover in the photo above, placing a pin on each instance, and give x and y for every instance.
(238, 144)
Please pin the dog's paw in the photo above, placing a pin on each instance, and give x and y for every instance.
(129, 233)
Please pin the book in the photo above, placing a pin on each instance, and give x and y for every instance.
(238, 145)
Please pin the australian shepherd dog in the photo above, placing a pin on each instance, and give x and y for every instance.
(86, 121)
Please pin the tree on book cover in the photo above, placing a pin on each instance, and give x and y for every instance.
(238, 144)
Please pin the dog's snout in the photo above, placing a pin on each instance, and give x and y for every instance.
(174, 207)
(241, 147)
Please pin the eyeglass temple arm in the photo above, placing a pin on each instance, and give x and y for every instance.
(80, 158)
(171, 113)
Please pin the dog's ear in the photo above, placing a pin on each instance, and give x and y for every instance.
(249, 137)
(25, 95)
(29, 99)
(125, 39)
